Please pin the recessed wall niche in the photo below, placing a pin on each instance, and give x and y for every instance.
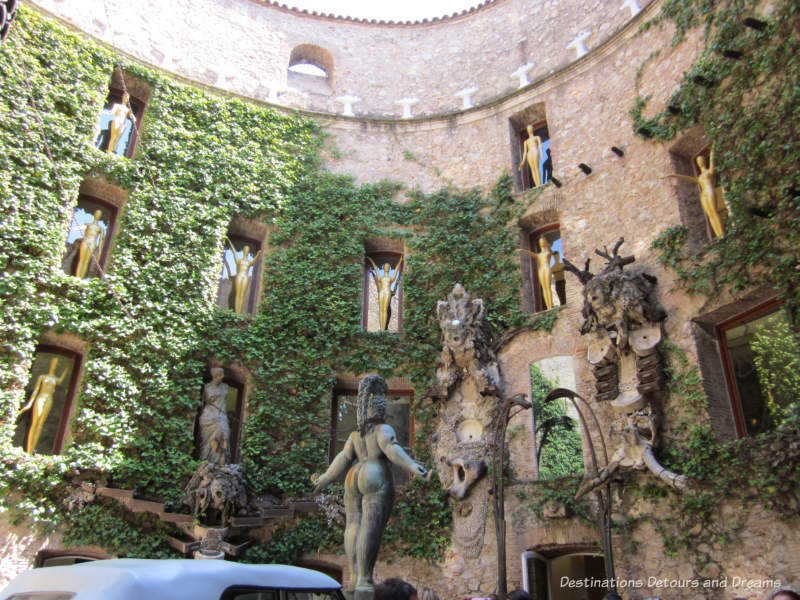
(42, 427)
(683, 157)
(311, 69)
(119, 121)
(530, 148)
(384, 265)
(242, 266)
(92, 228)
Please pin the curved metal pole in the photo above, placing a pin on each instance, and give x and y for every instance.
(604, 500)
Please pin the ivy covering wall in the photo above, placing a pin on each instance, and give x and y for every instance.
(151, 324)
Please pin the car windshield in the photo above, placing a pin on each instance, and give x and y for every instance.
(262, 594)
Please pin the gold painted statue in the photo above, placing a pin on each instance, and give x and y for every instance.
(116, 127)
(91, 245)
(387, 287)
(544, 271)
(533, 152)
(41, 401)
(710, 197)
(241, 279)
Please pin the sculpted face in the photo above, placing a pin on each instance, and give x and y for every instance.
(701, 162)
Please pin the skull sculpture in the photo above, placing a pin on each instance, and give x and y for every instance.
(466, 473)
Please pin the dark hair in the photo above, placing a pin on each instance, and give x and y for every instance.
(612, 596)
(519, 594)
(791, 593)
(394, 589)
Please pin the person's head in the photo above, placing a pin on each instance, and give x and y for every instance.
(519, 594)
(612, 596)
(395, 589)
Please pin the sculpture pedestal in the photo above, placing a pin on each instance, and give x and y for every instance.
(363, 594)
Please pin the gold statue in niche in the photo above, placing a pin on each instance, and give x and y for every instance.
(91, 245)
(41, 401)
(544, 271)
(120, 113)
(532, 151)
(386, 284)
(710, 197)
(241, 279)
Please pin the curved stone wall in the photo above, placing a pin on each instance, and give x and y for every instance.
(244, 47)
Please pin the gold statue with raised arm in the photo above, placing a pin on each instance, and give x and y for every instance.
(386, 284)
(544, 271)
(241, 279)
(532, 152)
(367, 457)
(116, 127)
(41, 401)
(91, 245)
(710, 197)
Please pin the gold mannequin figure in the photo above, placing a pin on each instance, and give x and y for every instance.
(42, 401)
(532, 151)
(121, 112)
(558, 276)
(91, 244)
(386, 285)
(241, 279)
(710, 196)
(543, 270)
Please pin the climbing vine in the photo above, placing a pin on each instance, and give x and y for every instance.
(151, 324)
(742, 90)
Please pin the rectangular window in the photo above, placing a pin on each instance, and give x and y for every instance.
(383, 292)
(49, 395)
(552, 277)
(344, 421)
(762, 369)
(535, 152)
(241, 274)
(115, 125)
(89, 237)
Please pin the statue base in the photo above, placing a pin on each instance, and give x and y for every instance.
(363, 594)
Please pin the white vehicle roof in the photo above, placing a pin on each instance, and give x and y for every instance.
(173, 579)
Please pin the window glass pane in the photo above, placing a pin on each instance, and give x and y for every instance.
(50, 379)
(92, 219)
(398, 415)
(763, 364)
(559, 446)
(246, 257)
(251, 595)
(312, 595)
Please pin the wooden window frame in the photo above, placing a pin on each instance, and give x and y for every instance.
(730, 380)
(72, 388)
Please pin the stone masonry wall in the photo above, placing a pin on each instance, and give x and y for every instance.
(244, 46)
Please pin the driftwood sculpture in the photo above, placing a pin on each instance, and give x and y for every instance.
(622, 318)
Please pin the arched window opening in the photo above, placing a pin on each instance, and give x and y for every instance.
(558, 441)
(311, 68)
